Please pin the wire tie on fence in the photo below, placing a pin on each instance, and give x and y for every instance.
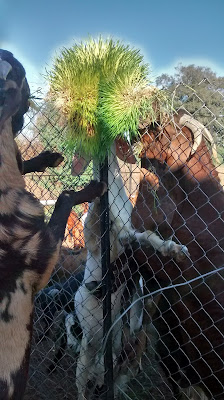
(152, 294)
(96, 290)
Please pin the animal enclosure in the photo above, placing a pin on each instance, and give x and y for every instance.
(171, 338)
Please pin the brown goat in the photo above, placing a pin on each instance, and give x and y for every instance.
(70, 262)
(188, 205)
(29, 247)
(74, 229)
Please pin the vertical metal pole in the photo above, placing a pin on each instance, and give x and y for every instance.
(106, 281)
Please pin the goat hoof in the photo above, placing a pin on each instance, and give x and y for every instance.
(49, 159)
(176, 251)
(55, 159)
(95, 189)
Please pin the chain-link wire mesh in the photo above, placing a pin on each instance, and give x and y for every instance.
(169, 343)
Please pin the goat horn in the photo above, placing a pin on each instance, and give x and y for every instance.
(5, 68)
(199, 130)
(210, 139)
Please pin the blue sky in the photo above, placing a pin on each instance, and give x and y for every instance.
(167, 32)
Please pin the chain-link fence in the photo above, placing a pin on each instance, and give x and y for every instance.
(166, 337)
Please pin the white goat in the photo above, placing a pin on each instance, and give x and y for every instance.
(89, 308)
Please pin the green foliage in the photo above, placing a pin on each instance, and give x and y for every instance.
(200, 91)
(102, 88)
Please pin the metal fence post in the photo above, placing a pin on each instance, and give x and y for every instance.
(106, 281)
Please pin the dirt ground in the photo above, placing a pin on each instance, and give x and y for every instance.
(150, 384)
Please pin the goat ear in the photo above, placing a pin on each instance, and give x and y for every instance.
(124, 151)
(179, 150)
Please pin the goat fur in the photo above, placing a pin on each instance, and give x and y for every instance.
(29, 247)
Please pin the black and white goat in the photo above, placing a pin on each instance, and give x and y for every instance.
(68, 335)
(54, 300)
(29, 247)
(88, 303)
(54, 307)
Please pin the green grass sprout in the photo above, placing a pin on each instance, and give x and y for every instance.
(102, 88)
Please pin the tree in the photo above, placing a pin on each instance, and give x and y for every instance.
(200, 91)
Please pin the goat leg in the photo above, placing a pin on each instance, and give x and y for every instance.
(57, 224)
(41, 162)
(67, 200)
(60, 352)
(165, 247)
(84, 364)
(168, 248)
